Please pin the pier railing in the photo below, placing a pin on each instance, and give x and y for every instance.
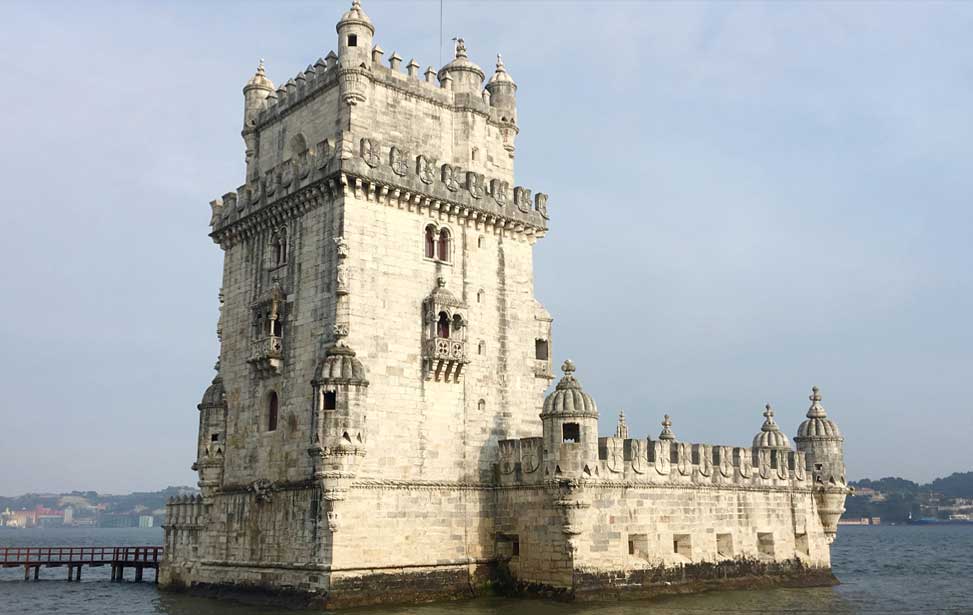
(119, 558)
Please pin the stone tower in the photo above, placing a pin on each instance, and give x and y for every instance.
(379, 332)
(377, 429)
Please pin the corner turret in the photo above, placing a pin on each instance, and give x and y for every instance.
(255, 94)
(503, 91)
(821, 441)
(355, 32)
(570, 419)
(212, 437)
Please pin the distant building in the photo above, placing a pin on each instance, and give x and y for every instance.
(146, 521)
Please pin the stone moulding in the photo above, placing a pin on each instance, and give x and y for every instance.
(264, 203)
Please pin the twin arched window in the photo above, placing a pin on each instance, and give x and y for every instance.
(437, 243)
(446, 327)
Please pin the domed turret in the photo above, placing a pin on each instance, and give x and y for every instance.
(568, 400)
(340, 365)
(355, 32)
(822, 444)
(770, 435)
(467, 76)
(214, 396)
(570, 419)
(503, 92)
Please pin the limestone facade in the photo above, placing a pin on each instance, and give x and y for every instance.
(377, 429)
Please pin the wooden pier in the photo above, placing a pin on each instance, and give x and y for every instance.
(32, 559)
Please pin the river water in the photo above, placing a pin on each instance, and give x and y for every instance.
(883, 569)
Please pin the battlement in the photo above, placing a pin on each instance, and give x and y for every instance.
(383, 173)
(324, 74)
(646, 461)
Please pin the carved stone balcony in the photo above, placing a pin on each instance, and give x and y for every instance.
(444, 358)
(267, 356)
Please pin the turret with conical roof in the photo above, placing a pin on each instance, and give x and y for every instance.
(503, 92)
(255, 94)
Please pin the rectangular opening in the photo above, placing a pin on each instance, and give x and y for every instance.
(724, 546)
(330, 400)
(352, 40)
(673, 454)
(801, 544)
(765, 543)
(571, 432)
(638, 545)
(540, 350)
(508, 545)
(682, 545)
(214, 438)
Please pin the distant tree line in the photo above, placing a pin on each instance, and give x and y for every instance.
(900, 496)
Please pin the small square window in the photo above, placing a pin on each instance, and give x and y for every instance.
(352, 40)
(330, 400)
(571, 432)
(214, 438)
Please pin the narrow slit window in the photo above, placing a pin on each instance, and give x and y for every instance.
(272, 409)
(540, 349)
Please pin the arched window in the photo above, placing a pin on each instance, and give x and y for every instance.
(272, 410)
(443, 245)
(457, 325)
(481, 347)
(278, 245)
(479, 241)
(479, 296)
(481, 405)
(430, 242)
(442, 325)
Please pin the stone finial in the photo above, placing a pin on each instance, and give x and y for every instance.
(460, 47)
(413, 68)
(816, 411)
(260, 67)
(430, 74)
(621, 430)
(568, 367)
(769, 423)
(394, 61)
(667, 433)
(377, 53)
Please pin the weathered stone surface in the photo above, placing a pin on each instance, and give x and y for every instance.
(377, 429)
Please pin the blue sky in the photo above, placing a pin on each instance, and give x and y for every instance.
(747, 200)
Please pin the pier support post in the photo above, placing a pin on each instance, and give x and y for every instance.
(114, 572)
(77, 577)
(37, 572)
(70, 573)
(27, 572)
(138, 574)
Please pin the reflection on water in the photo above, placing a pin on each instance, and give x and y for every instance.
(883, 570)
